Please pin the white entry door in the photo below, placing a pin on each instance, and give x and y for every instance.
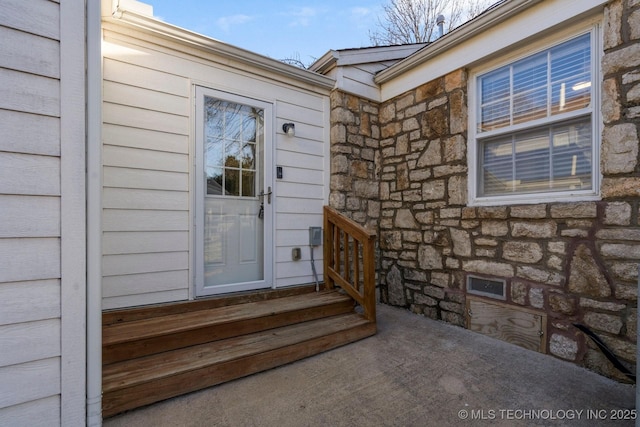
(233, 193)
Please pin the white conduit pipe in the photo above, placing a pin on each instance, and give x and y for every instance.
(94, 215)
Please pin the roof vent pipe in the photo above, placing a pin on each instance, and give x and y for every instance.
(440, 23)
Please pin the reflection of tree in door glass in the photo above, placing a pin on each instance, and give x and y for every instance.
(231, 133)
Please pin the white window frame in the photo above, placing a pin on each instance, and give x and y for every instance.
(473, 148)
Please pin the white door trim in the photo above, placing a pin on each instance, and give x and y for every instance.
(199, 190)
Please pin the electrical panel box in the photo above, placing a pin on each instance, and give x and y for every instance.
(315, 236)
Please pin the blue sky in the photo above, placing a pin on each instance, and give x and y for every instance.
(278, 29)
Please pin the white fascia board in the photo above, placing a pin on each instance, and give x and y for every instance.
(377, 54)
(503, 27)
(326, 62)
(364, 55)
(180, 35)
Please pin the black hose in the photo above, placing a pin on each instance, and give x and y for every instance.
(607, 352)
(313, 268)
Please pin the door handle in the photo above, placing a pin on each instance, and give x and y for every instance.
(268, 194)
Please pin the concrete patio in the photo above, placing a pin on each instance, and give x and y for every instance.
(414, 372)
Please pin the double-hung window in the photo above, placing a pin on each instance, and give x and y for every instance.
(535, 126)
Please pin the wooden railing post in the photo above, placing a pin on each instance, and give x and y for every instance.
(338, 230)
(369, 279)
(328, 251)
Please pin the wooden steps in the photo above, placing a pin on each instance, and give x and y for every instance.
(152, 358)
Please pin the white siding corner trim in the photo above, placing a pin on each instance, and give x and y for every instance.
(72, 206)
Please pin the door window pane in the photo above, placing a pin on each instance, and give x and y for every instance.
(214, 154)
(231, 182)
(249, 128)
(249, 156)
(248, 184)
(215, 181)
(233, 134)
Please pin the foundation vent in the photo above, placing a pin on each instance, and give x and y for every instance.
(492, 288)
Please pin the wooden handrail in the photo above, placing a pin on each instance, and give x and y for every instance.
(346, 245)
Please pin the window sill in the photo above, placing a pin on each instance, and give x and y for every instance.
(534, 199)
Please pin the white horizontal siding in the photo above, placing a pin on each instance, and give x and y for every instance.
(299, 160)
(142, 220)
(39, 17)
(299, 270)
(308, 117)
(42, 297)
(358, 79)
(17, 53)
(301, 206)
(300, 195)
(293, 237)
(109, 303)
(29, 133)
(29, 93)
(296, 175)
(118, 265)
(24, 52)
(134, 284)
(124, 115)
(117, 93)
(299, 190)
(29, 381)
(42, 338)
(37, 413)
(144, 242)
(116, 177)
(288, 221)
(30, 259)
(30, 216)
(127, 198)
(29, 174)
(134, 75)
(146, 139)
(147, 157)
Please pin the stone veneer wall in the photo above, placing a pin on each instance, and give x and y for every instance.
(355, 158)
(402, 167)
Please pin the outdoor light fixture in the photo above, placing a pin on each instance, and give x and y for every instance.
(289, 129)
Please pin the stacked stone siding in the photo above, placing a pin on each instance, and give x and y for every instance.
(577, 262)
(355, 158)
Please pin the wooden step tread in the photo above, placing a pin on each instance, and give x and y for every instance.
(110, 317)
(154, 390)
(175, 323)
(149, 368)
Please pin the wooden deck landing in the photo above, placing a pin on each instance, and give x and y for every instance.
(156, 353)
